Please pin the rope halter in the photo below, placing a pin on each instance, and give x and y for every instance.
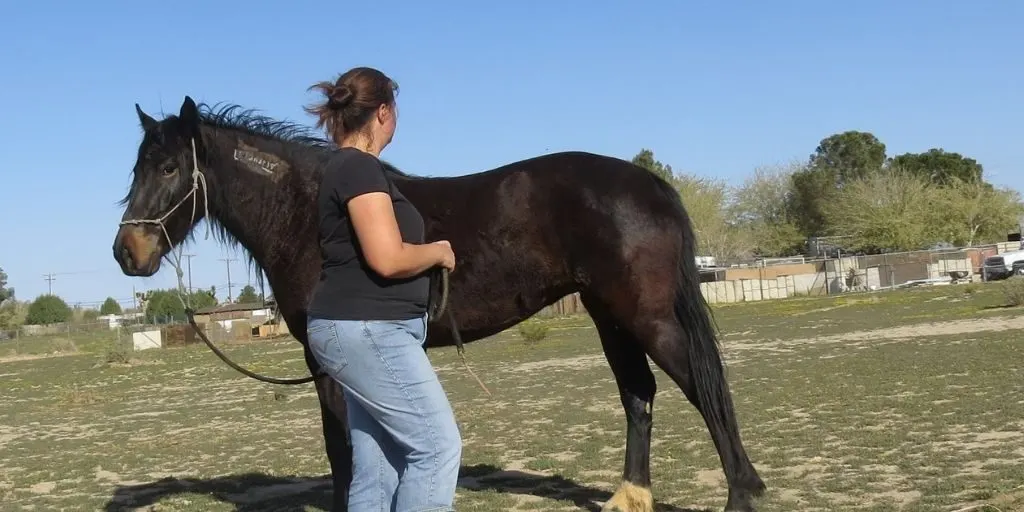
(198, 180)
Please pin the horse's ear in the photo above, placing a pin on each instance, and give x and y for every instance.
(145, 120)
(188, 116)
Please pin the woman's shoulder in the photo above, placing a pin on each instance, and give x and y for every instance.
(356, 171)
(351, 158)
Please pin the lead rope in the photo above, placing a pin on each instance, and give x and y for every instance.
(455, 329)
(199, 179)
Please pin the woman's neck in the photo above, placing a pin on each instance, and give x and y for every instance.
(361, 142)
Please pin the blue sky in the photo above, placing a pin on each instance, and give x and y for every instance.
(714, 88)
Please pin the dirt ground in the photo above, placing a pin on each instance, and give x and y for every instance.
(910, 400)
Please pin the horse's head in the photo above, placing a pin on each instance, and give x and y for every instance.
(166, 198)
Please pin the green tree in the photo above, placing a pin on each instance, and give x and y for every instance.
(247, 295)
(645, 159)
(707, 201)
(760, 205)
(110, 307)
(850, 155)
(812, 190)
(5, 292)
(48, 309)
(164, 306)
(12, 314)
(941, 167)
(895, 210)
(973, 212)
(838, 159)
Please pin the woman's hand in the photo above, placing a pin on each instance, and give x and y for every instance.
(446, 257)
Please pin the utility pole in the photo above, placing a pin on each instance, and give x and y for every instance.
(189, 263)
(49, 283)
(227, 263)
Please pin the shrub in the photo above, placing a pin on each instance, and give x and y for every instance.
(48, 309)
(533, 331)
(110, 307)
(1013, 289)
(118, 355)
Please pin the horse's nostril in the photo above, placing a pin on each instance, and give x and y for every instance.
(126, 256)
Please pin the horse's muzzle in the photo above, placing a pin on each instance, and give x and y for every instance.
(137, 251)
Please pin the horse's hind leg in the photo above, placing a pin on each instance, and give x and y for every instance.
(653, 324)
(670, 351)
(636, 390)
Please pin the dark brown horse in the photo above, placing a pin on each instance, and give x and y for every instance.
(525, 235)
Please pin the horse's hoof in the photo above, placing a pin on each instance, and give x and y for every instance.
(630, 498)
(740, 501)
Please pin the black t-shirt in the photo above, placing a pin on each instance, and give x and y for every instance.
(349, 289)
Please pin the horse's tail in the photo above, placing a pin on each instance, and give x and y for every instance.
(707, 369)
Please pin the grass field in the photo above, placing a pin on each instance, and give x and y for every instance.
(907, 400)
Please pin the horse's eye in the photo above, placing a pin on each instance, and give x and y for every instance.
(170, 170)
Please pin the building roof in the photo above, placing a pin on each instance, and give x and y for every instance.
(231, 307)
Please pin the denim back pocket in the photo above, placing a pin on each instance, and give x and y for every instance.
(325, 345)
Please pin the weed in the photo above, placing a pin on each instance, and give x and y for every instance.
(117, 355)
(533, 331)
(1013, 290)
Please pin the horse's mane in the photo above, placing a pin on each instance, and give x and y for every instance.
(235, 117)
(251, 121)
(303, 146)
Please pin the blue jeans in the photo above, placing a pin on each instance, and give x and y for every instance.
(406, 446)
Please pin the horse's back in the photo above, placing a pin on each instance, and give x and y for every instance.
(532, 231)
(557, 193)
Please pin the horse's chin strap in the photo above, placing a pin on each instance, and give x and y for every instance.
(198, 180)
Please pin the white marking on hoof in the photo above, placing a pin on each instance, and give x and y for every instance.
(630, 498)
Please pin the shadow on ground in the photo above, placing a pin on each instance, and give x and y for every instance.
(252, 492)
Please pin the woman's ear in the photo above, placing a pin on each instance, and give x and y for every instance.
(383, 113)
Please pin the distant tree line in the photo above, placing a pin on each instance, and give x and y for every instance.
(158, 306)
(848, 187)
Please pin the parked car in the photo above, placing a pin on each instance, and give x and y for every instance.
(1002, 266)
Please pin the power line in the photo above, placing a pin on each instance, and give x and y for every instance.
(100, 302)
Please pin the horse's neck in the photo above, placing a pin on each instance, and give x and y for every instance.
(273, 219)
(249, 206)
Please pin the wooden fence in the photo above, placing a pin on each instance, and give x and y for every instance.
(566, 306)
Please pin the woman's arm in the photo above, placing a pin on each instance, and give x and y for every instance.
(373, 218)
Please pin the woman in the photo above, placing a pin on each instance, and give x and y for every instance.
(367, 317)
